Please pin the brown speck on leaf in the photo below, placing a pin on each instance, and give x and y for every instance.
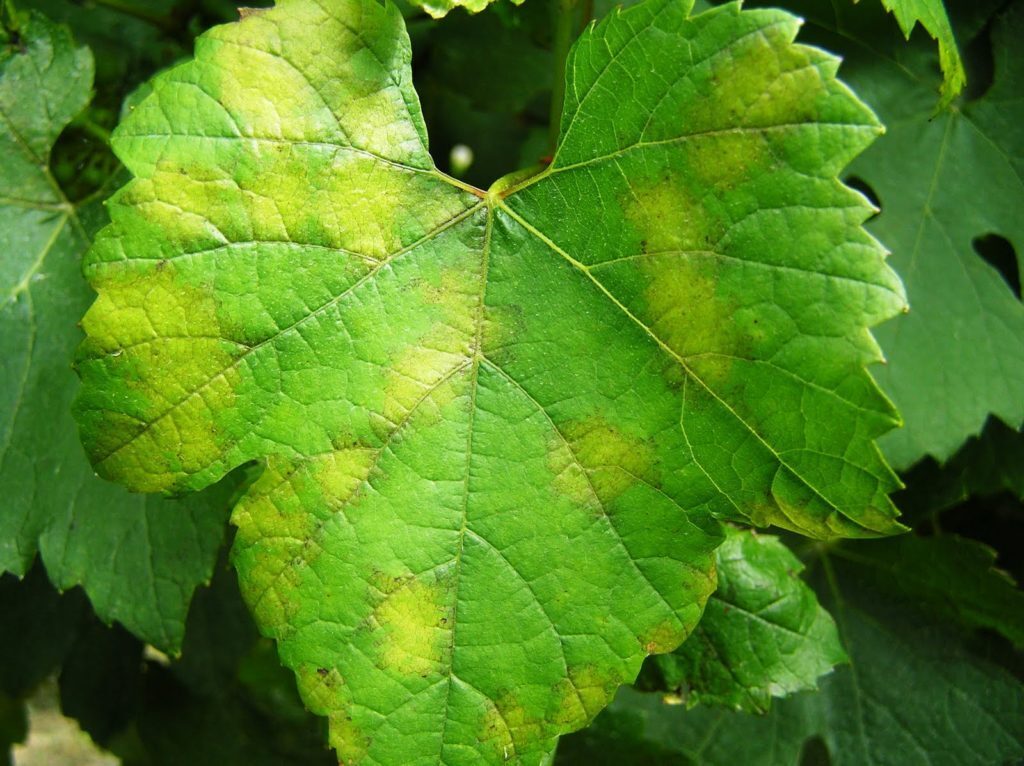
(322, 672)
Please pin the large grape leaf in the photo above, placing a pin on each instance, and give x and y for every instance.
(495, 425)
(138, 558)
(944, 183)
(920, 689)
(763, 632)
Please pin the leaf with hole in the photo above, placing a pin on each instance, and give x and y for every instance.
(946, 185)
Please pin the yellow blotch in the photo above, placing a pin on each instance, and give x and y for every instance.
(667, 216)
(413, 622)
(724, 161)
(569, 479)
(663, 637)
(594, 687)
(685, 307)
(324, 692)
(598, 444)
(502, 326)
(340, 474)
(409, 378)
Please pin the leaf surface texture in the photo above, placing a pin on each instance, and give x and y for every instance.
(496, 426)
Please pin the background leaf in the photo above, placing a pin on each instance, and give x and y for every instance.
(138, 558)
(947, 186)
(931, 14)
(920, 688)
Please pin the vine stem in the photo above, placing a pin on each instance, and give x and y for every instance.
(563, 12)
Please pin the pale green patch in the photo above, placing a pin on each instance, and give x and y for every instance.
(497, 427)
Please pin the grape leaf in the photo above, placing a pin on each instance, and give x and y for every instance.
(763, 633)
(944, 183)
(953, 576)
(962, 710)
(931, 14)
(642, 729)
(138, 558)
(985, 466)
(495, 425)
(440, 8)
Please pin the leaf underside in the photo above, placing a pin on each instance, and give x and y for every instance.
(498, 426)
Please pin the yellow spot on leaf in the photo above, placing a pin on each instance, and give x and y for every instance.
(598, 444)
(414, 623)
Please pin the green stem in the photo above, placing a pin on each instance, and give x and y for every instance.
(160, 22)
(563, 10)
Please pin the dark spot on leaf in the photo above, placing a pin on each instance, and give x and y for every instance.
(1000, 255)
(322, 672)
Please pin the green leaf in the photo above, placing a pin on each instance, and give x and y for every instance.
(440, 8)
(763, 633)
(965, 709)
(950, 575)
(931, 14)
(496, 425)
(643, 730)
(139, 559)
(944, 183)
(919, 691)
(985, 466)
